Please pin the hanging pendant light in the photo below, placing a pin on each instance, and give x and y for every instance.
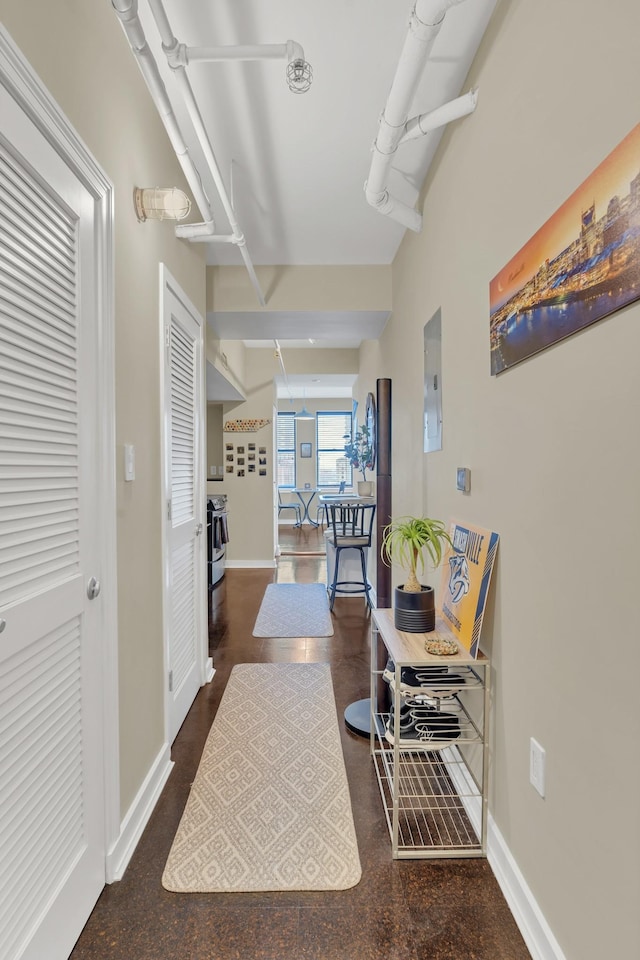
(304, 413)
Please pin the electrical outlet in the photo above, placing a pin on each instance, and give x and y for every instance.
(537, 766)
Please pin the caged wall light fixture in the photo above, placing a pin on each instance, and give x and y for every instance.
(299, 75)
(161, 203)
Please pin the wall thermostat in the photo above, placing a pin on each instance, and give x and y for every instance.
(463, 479)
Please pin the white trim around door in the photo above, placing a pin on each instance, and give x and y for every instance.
(39, 109)
(183, 458)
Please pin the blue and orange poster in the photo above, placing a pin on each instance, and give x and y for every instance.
(466, 574)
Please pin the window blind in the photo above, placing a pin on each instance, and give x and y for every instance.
(333, 430)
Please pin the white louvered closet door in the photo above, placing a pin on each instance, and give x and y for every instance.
(186, 539)
(51, 761)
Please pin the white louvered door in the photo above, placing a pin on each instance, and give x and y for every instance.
(185, 509)
(52, 855)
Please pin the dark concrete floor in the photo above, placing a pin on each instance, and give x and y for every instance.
(400, 910)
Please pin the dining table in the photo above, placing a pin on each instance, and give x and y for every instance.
(305, 496)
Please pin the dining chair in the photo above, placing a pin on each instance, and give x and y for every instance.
(350, 528)
(322, 514)
(289, 506)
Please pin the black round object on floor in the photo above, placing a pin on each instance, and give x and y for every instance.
(357, 717)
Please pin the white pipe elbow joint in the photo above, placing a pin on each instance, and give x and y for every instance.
(126, 9)
(375, 198)
(294, 51)
(176, 54)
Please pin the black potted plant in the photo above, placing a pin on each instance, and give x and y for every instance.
(405, 542)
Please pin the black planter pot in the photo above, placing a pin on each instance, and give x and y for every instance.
(415, 612)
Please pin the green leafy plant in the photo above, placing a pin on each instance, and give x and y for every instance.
(405, 542)
(359, 450)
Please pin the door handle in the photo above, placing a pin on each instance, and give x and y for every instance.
(198, 530)
(93, 588)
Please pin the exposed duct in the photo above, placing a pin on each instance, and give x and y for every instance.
(395, 127)
(178, 55)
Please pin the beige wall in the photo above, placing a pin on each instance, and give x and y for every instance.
(215, 440)
(552, 445)
(301, 288)
(250, 498)
(81, 54)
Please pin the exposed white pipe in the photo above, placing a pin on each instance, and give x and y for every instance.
(127, 11)
(170, 43)
(201, 233)
(257, 51)
(453, 110)
(283, 368)
(425, 23)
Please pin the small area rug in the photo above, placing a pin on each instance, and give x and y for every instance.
(269, 808)
(294, 610)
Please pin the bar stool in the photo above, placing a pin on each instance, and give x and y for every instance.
(350, 528)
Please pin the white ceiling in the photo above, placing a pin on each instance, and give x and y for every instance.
(300, 161)
(296, 164)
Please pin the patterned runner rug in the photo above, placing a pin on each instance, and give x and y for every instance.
(269, 808)
(294, 610)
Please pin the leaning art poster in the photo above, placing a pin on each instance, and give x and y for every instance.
(581, 265)
(466, 574)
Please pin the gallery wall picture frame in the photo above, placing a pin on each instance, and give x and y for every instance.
(305, 450)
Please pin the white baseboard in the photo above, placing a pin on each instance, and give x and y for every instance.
(138, 815)
(535, 930)
(209, 671)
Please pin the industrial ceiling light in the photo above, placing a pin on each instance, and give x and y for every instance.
(299, 75)
(299, 72)
(161, 203)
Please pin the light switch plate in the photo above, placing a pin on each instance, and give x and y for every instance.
(463, 479)
(537, 757)
(129, 462)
